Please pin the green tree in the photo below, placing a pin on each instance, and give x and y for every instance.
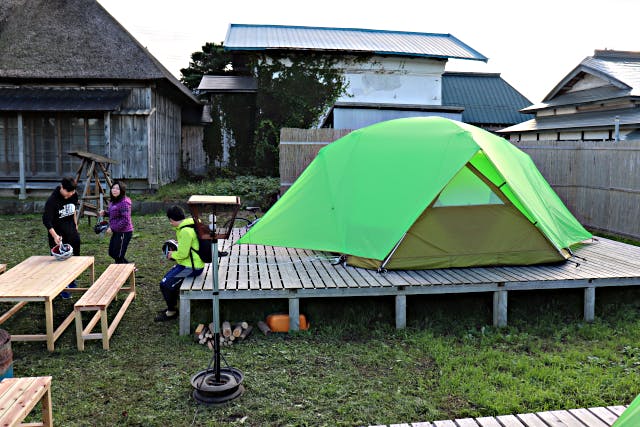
(212, 60)
(293, 90)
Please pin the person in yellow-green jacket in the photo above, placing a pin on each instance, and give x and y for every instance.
(188, 263)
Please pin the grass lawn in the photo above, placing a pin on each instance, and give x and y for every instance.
(351, 368)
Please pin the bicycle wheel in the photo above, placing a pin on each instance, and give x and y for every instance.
(241, 223)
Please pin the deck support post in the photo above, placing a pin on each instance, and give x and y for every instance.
(401, 311)
(589, 304)
(294, 314)
(185, 315)
(500, 309)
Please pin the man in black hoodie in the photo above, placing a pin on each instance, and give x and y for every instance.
(60, 219)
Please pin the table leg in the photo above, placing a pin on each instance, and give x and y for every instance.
(47, 412)
(48, 314)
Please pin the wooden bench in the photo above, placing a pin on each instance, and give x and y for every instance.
(18, 397)
(98, 297)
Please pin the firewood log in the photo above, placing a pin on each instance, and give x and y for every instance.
(226, 328)
(246, 332)
(264, 328)
(199, 330)
(244, 325)
(237, 330)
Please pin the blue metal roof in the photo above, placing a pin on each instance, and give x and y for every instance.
(486, 98)
(348, 40)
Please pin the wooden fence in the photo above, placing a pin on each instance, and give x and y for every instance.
(598, 181)
(298, 147)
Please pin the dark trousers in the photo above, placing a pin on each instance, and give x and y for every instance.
(170, 283)
(118, 246)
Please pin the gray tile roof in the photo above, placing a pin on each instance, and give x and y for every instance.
(348, 40)
(620, 69)
(486, 97)
(595, 119)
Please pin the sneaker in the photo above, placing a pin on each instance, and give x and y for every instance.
(65, 295)
(72, 285)
(163, 317)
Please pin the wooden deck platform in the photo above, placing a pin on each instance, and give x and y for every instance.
(260, 272)
(591, 417)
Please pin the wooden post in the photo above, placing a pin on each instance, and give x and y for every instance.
(500, 309)
(401, 311)
(21, 160)
(589, 304)
(294, 314)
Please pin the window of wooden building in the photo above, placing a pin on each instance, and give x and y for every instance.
(48, 138)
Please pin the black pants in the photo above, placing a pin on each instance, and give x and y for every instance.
(118, 246)
(170, 283)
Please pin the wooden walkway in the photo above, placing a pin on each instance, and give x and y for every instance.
(260, 272)
(591, 417)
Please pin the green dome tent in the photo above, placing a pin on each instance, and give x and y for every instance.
(424, 192)
(631, 416)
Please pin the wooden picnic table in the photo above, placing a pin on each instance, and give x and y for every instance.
(42, 278)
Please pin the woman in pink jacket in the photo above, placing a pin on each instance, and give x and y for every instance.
(120, 224)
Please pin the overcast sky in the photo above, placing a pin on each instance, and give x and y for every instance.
(533, 45)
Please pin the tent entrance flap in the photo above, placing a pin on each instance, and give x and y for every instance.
(468, 236)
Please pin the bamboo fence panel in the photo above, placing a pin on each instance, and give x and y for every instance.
(298, 147)
(597, 180)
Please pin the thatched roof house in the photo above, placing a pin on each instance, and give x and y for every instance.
(78, 80)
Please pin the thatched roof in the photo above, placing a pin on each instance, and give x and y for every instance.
(72, 39)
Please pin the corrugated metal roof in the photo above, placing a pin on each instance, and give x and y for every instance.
(486, 98)
(226, 84)
(596, 119)
(277, 37)
(23, 99)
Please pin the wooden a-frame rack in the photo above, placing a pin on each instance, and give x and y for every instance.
(91, 185)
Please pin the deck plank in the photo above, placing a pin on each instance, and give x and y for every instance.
(591, 417)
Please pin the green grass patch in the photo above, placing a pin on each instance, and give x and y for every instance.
(352, 367)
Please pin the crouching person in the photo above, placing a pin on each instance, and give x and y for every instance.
(188, 263)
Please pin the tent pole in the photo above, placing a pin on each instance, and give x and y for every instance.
(388, 258)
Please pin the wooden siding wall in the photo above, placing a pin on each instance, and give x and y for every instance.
(146, 138)
(130, 137)
(167, 136)
(298, 147)
(598, 181)
(194, 158)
